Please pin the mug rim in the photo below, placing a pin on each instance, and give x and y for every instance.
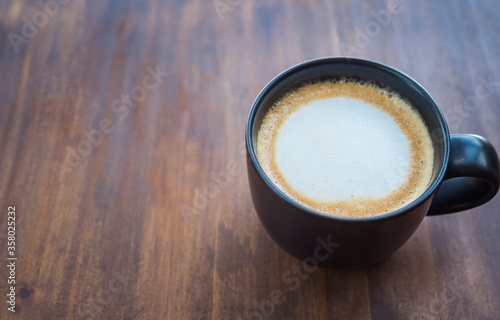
(360, 61)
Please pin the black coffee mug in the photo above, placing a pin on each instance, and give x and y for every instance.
(465, 175)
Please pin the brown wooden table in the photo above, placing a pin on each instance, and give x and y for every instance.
(121, 142)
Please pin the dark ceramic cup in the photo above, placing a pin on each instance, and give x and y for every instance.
(465, 175)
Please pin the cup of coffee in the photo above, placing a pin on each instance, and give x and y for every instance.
(346, 157)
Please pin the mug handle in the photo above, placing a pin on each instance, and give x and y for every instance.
(472, 177)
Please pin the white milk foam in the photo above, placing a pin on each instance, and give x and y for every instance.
(341, 148)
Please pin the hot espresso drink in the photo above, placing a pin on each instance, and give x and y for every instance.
(346, 147)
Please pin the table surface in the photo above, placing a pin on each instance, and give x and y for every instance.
(119, 123)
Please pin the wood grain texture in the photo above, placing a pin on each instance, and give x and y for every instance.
(149, 215)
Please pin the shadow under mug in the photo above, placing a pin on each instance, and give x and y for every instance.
(465, 175)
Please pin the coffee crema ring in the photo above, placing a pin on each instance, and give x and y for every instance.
(378, 147)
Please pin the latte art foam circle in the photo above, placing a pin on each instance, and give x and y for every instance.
(346, 148)
(339, 149)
